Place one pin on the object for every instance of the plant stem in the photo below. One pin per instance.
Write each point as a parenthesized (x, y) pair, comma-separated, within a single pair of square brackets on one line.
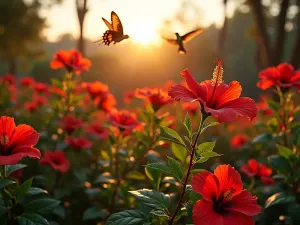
[(204, 116), (283, 103)]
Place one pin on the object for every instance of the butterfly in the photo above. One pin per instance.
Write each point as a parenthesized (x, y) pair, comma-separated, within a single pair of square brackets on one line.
[(115, 33), (180, 40)]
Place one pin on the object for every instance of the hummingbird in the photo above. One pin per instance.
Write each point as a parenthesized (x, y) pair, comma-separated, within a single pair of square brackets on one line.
[(180, 40), (115, 33)]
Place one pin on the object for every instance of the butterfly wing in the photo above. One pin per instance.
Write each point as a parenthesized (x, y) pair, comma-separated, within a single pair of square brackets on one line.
[(116, 23), (189, 36), (110, 27), (107, 37), (171, 41)]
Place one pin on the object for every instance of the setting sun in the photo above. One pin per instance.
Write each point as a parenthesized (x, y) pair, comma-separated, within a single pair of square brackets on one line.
[(144, 32)]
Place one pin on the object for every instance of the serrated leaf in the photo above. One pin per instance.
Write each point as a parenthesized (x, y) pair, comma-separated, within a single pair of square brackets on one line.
[(127, 217), (32, 219), (92, 213), (23, 189), (41, 206), (152, 199), (179, 152), (154, 176), (210, 154), (135, 175), (175, 168), (159, 213), (171, 135), (280, 164), (205, 147), (187, 123), (13, 168), (36, 191), (159, 166)]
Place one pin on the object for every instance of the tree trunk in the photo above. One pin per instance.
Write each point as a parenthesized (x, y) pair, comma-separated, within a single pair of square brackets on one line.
[(223, 31), (12, 65), (279, 44), (295, 58), (81, 12), (263, 38)]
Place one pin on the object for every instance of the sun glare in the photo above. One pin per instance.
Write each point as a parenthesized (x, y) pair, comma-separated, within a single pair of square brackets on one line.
[(144, 32)]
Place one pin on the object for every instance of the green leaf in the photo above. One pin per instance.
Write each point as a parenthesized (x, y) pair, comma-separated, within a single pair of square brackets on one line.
[(179, 152), (159, 213), (159, 166), (41, 206), (279, 198), (280, 164), (13, 168), (23, 189), (205, 147), (135, 175), (5, 182), (273, 105), (60, 211), (262, 138), (92, 213), (210, 154), (194, 197), (188, 126), (36, 191), (127, 217), (175, 168), (152, 199), (154, 176), (182, 212), (171, 135), (284, 151), (32, 219), (211, 124)]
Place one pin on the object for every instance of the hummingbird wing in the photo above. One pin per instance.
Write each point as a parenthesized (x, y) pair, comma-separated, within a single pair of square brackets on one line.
[(189, 36), (107, 24), (116, 23), (171, 41)]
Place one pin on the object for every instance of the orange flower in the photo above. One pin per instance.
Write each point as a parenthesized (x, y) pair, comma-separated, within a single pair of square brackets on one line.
[(124, 120), (96, 89), (71, 60), (156, 96), (239, 141), (56, 160), (70, 123)]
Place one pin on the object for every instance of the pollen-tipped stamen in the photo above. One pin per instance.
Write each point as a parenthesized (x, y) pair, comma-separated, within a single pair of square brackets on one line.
[(217, 76), (4, 140)]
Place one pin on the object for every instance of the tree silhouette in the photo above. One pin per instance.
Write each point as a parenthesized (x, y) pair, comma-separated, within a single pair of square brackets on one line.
[(81, 6)]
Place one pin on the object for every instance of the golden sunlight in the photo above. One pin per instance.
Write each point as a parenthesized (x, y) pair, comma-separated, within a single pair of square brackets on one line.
[(144, 32)]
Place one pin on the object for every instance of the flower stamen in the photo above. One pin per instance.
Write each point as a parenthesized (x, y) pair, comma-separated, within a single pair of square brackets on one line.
[(217, 76)]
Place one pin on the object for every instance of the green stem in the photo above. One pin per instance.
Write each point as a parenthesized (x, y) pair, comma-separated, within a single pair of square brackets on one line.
[(283, 103), (252, 184), (4, 172), (191, 164)]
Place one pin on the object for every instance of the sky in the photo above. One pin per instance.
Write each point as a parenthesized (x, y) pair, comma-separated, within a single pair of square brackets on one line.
[(140, 18)]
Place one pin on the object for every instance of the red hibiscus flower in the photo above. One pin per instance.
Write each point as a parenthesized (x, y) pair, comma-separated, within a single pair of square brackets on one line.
[(71, 60), (191, 107), (41, 88), (217, 98), (224, 200), (105, 102), (70, 123), (156, 96), (128, 96), (58, 91), (8, 79), (124, 120), (97, 89), (30, 106), (16, 142), (256, 169), (283, 76), (239, 141), (27, 81), (56, 160), (98, 131), (79, 143)]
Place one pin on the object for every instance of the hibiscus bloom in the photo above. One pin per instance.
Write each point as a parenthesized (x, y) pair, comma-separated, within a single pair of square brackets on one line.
[(40, 88), (105, 102), (16, 142), (98, 131), (283, 76), (256, 169), (224, 200), (217, 98), (124, 120), (128, 96), (70, 123), (79, 143), (71, 60), (239, 141), (27, 81), (30, 106), (8, 79), (56, 160), (97, 89), (58, 91), (156, 96)]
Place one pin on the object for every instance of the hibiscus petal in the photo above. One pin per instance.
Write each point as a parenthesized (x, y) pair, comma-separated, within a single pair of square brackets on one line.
[(232, 92), (235, 218), (265, 84), (19, 154), (228, 178), (55, 64), (179, 92), (24, 136), (230, 111), (244, 203), (207, 185), (190, 81), (286, 71), (7, 125), (203, 213)]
